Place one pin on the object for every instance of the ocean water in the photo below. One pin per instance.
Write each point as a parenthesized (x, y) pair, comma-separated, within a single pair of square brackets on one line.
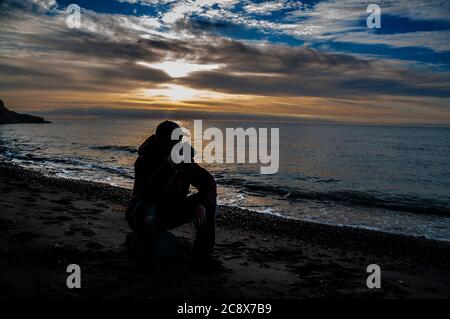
[(389, 178)]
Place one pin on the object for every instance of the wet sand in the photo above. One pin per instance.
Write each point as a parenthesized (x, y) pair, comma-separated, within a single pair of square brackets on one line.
[(49, 223)]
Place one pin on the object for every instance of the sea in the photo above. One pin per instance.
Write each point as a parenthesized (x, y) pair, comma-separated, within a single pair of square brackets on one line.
[(392, 179)]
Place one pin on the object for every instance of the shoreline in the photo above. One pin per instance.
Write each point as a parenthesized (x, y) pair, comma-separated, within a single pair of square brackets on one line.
[(125, 193), (265, 253)]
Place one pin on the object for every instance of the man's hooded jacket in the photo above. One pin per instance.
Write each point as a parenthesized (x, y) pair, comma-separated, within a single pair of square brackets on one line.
[(159, 181)]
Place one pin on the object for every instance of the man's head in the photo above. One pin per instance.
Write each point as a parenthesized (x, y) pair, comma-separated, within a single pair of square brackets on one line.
[(164, 134)]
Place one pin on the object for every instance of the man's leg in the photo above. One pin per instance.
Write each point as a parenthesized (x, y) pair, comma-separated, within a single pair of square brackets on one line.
[(184, 213), (206, 234), (148, 227)]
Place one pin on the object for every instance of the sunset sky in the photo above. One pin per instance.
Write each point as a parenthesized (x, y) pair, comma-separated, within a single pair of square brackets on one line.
[(299, 60)]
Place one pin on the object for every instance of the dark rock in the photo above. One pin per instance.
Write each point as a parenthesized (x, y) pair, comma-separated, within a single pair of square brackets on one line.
[(10, 117)]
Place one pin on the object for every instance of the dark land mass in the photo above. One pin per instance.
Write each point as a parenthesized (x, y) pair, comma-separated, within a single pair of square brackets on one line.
[(10, 117)]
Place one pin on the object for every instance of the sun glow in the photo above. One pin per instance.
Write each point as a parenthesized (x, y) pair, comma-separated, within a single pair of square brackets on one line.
[(179, 93), (180, 68)]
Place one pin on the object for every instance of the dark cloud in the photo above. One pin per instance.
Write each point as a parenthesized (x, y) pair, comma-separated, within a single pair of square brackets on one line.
[(319, 84), (86, 44), (76, 76), (203, 26)]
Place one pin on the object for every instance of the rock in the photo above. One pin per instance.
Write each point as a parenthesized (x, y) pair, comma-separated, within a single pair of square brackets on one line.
[(10, 117)]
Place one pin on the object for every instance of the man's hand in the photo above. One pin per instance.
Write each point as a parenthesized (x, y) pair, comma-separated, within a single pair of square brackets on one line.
[(199, 216)]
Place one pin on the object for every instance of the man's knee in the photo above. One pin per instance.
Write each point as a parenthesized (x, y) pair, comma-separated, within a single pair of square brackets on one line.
[(150, 223)]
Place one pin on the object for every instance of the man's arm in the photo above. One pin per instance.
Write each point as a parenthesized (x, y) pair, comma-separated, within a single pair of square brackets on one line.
[(205, 184)]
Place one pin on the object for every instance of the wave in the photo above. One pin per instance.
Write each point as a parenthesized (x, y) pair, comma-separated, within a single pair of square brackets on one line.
[(118, 170), (397, 202), (118, 148), (39, 159), (67, 163)]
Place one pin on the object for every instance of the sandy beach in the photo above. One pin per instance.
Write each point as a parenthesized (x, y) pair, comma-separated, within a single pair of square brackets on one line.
[(48, 223)]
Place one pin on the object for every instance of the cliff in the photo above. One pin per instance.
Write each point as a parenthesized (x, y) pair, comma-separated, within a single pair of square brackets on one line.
[(10, 117)]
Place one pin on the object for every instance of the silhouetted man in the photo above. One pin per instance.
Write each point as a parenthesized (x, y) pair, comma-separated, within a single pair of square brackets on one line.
[(160, 200)]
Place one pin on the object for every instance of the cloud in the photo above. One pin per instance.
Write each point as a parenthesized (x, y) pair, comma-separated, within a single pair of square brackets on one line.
[(434, 40), (297, 71), (182, 9), (108, 63), (340, 21), (268, 7)]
